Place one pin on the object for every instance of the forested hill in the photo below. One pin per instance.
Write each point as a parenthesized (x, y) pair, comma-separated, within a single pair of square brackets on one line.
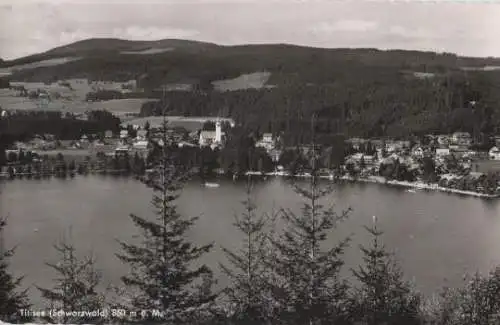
[(274, 87)]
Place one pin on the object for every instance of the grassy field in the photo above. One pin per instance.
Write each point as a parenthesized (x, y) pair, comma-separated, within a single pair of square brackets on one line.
[(72, 97), (75, 89), (149, 51), (44, 63), (39, 64), (256, 80), (72, 93), (118, 106)]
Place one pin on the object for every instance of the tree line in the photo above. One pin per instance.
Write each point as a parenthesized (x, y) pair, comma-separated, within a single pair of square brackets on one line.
[(279, 276), (23, 125), (28, 164), (102, 95)]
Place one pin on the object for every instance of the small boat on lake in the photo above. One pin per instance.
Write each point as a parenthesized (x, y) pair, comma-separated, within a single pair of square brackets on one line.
[(211, 185), (411, 190)]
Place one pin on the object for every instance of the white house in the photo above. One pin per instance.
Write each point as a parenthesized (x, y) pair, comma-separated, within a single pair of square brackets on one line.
[(123, 134), (358, 157), (267, 137), (368, 159), (494, 153), (140, 145), (443, 139), (266, 142), (418, 152), (391, 147), (442, 152)]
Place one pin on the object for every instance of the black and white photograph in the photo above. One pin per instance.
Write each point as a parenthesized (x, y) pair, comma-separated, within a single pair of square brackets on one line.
[(250, 162)]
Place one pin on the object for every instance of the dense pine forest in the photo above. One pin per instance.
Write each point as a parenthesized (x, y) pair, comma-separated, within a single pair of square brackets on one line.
[(279, 276)]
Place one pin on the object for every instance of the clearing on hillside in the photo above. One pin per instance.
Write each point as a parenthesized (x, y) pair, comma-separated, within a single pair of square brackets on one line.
[(256, 80), (43, 63), (148, 51)]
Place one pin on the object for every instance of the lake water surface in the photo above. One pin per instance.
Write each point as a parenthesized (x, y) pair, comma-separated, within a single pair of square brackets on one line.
[(435, 236)]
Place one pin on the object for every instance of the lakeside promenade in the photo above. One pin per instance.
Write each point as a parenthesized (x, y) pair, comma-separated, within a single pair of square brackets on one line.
[(382, 180), (422, 186)]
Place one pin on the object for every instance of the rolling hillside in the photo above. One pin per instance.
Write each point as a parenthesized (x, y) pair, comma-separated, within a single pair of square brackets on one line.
[(274, 87), (106, 46)]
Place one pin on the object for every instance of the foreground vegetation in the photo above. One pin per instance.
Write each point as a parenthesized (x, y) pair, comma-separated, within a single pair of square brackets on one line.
[(280, 276)]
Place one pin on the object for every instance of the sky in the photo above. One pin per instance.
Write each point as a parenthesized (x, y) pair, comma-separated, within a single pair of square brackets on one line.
[(468, 28)]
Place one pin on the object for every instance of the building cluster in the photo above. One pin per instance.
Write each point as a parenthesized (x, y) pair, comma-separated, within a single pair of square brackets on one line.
[(269, 143), (130, 139), (370, 154)]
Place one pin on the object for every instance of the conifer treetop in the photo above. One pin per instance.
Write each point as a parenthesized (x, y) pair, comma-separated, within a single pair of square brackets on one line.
[(162, 273), (12, 299)]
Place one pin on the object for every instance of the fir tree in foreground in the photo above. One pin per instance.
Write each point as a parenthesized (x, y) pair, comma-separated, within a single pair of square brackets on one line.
[(163, 275), (76, 287), (305, 281), (384, 298), (12, 301), (247, 269)]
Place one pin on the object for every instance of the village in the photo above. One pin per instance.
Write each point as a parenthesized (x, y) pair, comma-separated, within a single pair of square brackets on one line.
[(445, 161)]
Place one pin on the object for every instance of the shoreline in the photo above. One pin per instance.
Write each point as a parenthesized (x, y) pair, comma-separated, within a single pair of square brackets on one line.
[(370, 179), (422, 186), (383, 181)]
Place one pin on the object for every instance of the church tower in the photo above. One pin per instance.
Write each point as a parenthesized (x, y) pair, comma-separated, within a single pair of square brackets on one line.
[(218, 131)]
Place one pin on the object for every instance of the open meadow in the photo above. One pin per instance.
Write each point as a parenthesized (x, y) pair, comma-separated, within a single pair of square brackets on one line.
[(256, 80), (69, 96)]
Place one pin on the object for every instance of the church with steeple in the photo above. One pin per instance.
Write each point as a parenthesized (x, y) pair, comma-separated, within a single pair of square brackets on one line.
[(212, 138)]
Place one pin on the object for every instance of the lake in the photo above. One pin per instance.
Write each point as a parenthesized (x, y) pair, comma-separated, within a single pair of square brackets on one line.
[(437, 237)]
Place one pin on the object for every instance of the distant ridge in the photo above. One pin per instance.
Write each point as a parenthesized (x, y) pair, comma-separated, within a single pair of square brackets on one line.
[(96, 46), (153, 63), (93, 46), (272, 86)]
